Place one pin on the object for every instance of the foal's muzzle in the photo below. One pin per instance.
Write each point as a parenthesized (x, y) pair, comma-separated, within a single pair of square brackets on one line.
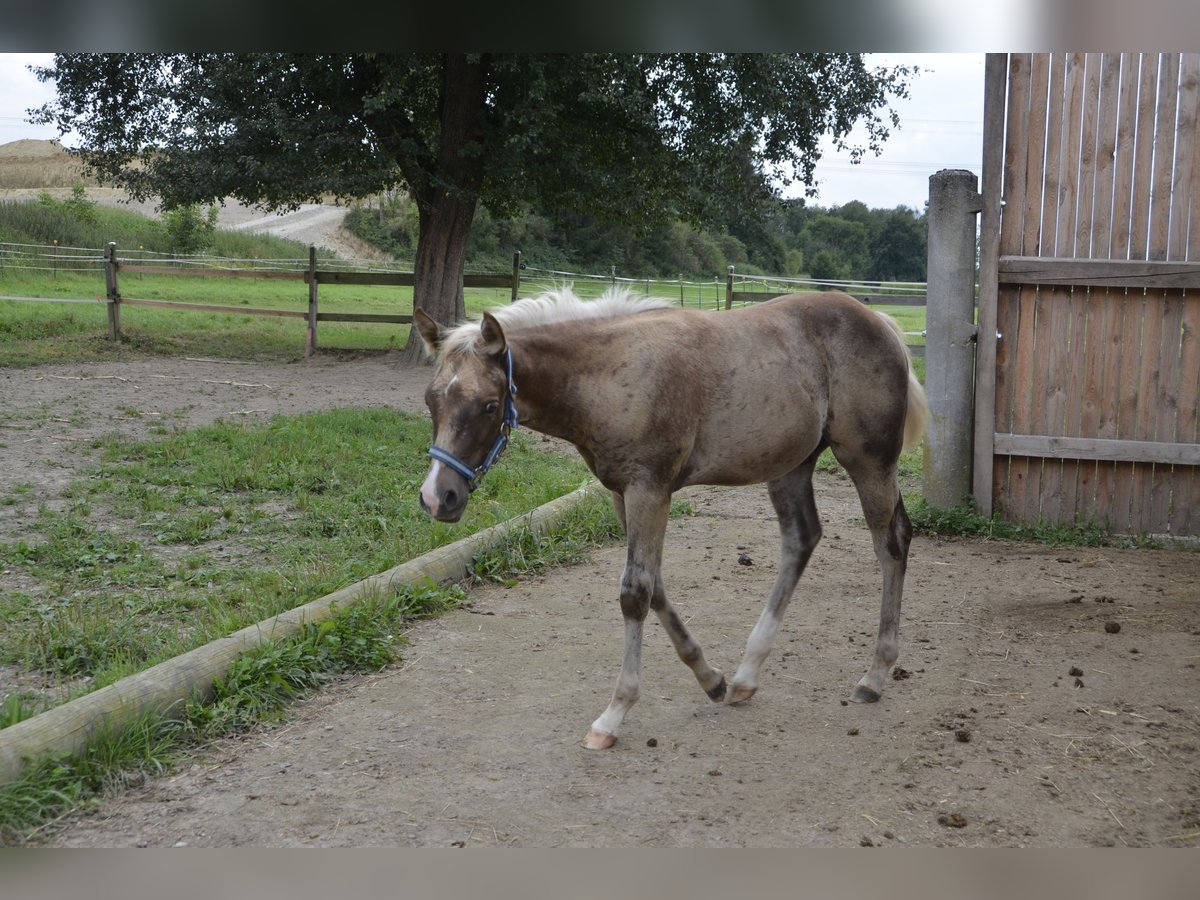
[(444, 494)]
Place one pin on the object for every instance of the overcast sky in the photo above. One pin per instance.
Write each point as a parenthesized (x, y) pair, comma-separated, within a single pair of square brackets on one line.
[(941, 127)]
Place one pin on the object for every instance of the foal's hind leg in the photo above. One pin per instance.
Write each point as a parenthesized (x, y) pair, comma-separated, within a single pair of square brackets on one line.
[(800, 528), (891, 533), (689, 651)]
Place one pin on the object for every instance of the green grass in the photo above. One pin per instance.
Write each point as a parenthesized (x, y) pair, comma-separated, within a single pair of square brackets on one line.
[(38, 333), (169, 543), (256, 689), (966, 522)]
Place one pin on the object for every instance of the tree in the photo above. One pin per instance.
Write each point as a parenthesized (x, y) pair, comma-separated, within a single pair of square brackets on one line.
[(898, 249), (638, 138)]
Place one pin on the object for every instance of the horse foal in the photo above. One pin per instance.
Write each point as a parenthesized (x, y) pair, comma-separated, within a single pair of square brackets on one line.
[(656, 398)]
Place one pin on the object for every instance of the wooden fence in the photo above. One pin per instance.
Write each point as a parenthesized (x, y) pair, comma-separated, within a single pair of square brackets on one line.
[(873, 293), (1090, 412), (312, 276)]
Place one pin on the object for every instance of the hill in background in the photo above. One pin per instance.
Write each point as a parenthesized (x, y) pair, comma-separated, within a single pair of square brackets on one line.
[(39, 164)]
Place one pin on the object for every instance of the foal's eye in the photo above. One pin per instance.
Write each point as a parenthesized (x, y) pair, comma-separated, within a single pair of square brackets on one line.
[(490, 407)]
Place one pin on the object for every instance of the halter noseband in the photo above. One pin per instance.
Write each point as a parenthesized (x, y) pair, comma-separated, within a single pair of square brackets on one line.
[(474, 476)]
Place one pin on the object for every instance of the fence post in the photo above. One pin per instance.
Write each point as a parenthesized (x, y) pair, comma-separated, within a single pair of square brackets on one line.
[(516, 278), (310, 345), (112, 293), (729, 289), (954, 202), (613, 275)]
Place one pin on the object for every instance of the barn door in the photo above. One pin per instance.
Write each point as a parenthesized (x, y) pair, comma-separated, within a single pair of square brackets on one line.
[(1089, 359)]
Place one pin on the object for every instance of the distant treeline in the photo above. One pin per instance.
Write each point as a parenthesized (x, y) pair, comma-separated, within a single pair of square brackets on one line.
[(790, 238)]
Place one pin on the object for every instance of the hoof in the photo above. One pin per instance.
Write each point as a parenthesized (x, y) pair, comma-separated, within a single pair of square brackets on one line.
[(741, 693), (864, 694), (717, 694), (599, 740)]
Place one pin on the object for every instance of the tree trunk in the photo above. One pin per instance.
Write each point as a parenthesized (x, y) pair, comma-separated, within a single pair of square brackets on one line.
[(446, 200), (444, 225)]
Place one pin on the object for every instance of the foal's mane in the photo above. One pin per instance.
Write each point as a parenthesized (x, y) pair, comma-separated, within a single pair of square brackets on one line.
[(560, 305)]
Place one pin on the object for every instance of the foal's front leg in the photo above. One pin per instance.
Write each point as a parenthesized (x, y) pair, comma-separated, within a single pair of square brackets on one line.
[(645, 525)]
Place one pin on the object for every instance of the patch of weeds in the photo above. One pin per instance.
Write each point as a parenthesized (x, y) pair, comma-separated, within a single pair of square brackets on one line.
[(590, 524), (828, 463), (19, 493), (427, 599), (682, 508), (966, 522), (19, 706), (58, 783), (359, 638), (80, 643)]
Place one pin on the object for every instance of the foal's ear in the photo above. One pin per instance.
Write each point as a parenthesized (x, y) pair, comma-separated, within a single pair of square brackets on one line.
[(430, 331), (492, 335)]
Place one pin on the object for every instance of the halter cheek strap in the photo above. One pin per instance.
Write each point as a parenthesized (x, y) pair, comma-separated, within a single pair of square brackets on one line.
[(474, 476)]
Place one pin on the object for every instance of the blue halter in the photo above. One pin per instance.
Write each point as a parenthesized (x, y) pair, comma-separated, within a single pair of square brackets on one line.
[(474, 476)]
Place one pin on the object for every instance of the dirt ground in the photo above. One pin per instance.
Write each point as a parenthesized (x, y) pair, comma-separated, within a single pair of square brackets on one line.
[(988, 735)]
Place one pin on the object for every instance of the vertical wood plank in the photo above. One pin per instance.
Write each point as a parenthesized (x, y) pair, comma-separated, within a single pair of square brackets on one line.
[(1183, 189), (1185, 517), (1024, 336), (1106, 69), (1176, 383), (1166, 404), (1148, 489), (1046, 235), (1139, 228), (1082, 328), (112, 291), (1128, 475), (310, 343), (1146, 418), (989, 236), (1060, 337), (1123, 98), (1017, 151), (1185, 508), (1164, 156)]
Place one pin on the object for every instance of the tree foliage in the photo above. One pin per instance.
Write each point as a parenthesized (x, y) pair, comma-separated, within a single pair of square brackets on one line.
[(638, 139), (794, 239)]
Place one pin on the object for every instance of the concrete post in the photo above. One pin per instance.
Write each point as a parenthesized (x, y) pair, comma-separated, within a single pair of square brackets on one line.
[(954, 201)]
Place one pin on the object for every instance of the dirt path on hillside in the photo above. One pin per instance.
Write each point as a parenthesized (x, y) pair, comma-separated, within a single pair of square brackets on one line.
[(318, 224), (475, 739)]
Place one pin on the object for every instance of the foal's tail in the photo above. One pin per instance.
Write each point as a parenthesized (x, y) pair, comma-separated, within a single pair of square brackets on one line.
[(917, 417)]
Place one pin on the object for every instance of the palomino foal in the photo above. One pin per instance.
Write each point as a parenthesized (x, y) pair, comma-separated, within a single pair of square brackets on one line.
[(656, 398)]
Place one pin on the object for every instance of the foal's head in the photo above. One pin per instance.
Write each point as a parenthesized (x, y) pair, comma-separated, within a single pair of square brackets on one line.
[(470, 399)]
